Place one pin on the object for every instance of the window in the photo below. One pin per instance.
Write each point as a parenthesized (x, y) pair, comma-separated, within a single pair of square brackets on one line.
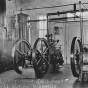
[(84, 14), (42, 26)]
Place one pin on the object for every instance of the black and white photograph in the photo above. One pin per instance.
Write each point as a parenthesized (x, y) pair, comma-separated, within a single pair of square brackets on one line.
[(43, 43)]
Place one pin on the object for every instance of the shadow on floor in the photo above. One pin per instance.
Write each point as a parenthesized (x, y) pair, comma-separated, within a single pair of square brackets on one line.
[(78, 84)]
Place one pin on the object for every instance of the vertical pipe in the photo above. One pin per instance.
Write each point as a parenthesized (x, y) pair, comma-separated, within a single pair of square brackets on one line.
[(81, 32), (47, 28), (65, 40), (54, 30), (81, 28), (65, 43)]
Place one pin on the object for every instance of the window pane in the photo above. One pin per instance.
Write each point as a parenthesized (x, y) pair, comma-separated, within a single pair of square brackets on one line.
[(45, 32), (84, 14), (42, 24), (70, 15), (40, 33)]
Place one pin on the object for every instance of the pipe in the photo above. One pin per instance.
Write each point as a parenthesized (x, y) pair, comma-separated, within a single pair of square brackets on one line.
[(49, 7), (52, 19), (47, 28)]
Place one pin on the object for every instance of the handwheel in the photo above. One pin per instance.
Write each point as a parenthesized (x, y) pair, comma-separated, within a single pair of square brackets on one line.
[(75, 56), (20, 54), (41, 57)]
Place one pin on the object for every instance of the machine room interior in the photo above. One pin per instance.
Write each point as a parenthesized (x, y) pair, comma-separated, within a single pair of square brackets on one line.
[(29, 20), (67, 30)]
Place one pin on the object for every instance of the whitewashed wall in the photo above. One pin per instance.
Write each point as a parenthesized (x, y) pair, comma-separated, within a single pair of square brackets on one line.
[(71, 29)]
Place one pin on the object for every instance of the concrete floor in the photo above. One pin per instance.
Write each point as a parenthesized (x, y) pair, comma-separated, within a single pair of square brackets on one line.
[(61, 79)]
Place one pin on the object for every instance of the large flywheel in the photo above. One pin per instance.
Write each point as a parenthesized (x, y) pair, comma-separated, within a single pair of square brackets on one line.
[(75, 56), (41, 57), (21, 54)]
